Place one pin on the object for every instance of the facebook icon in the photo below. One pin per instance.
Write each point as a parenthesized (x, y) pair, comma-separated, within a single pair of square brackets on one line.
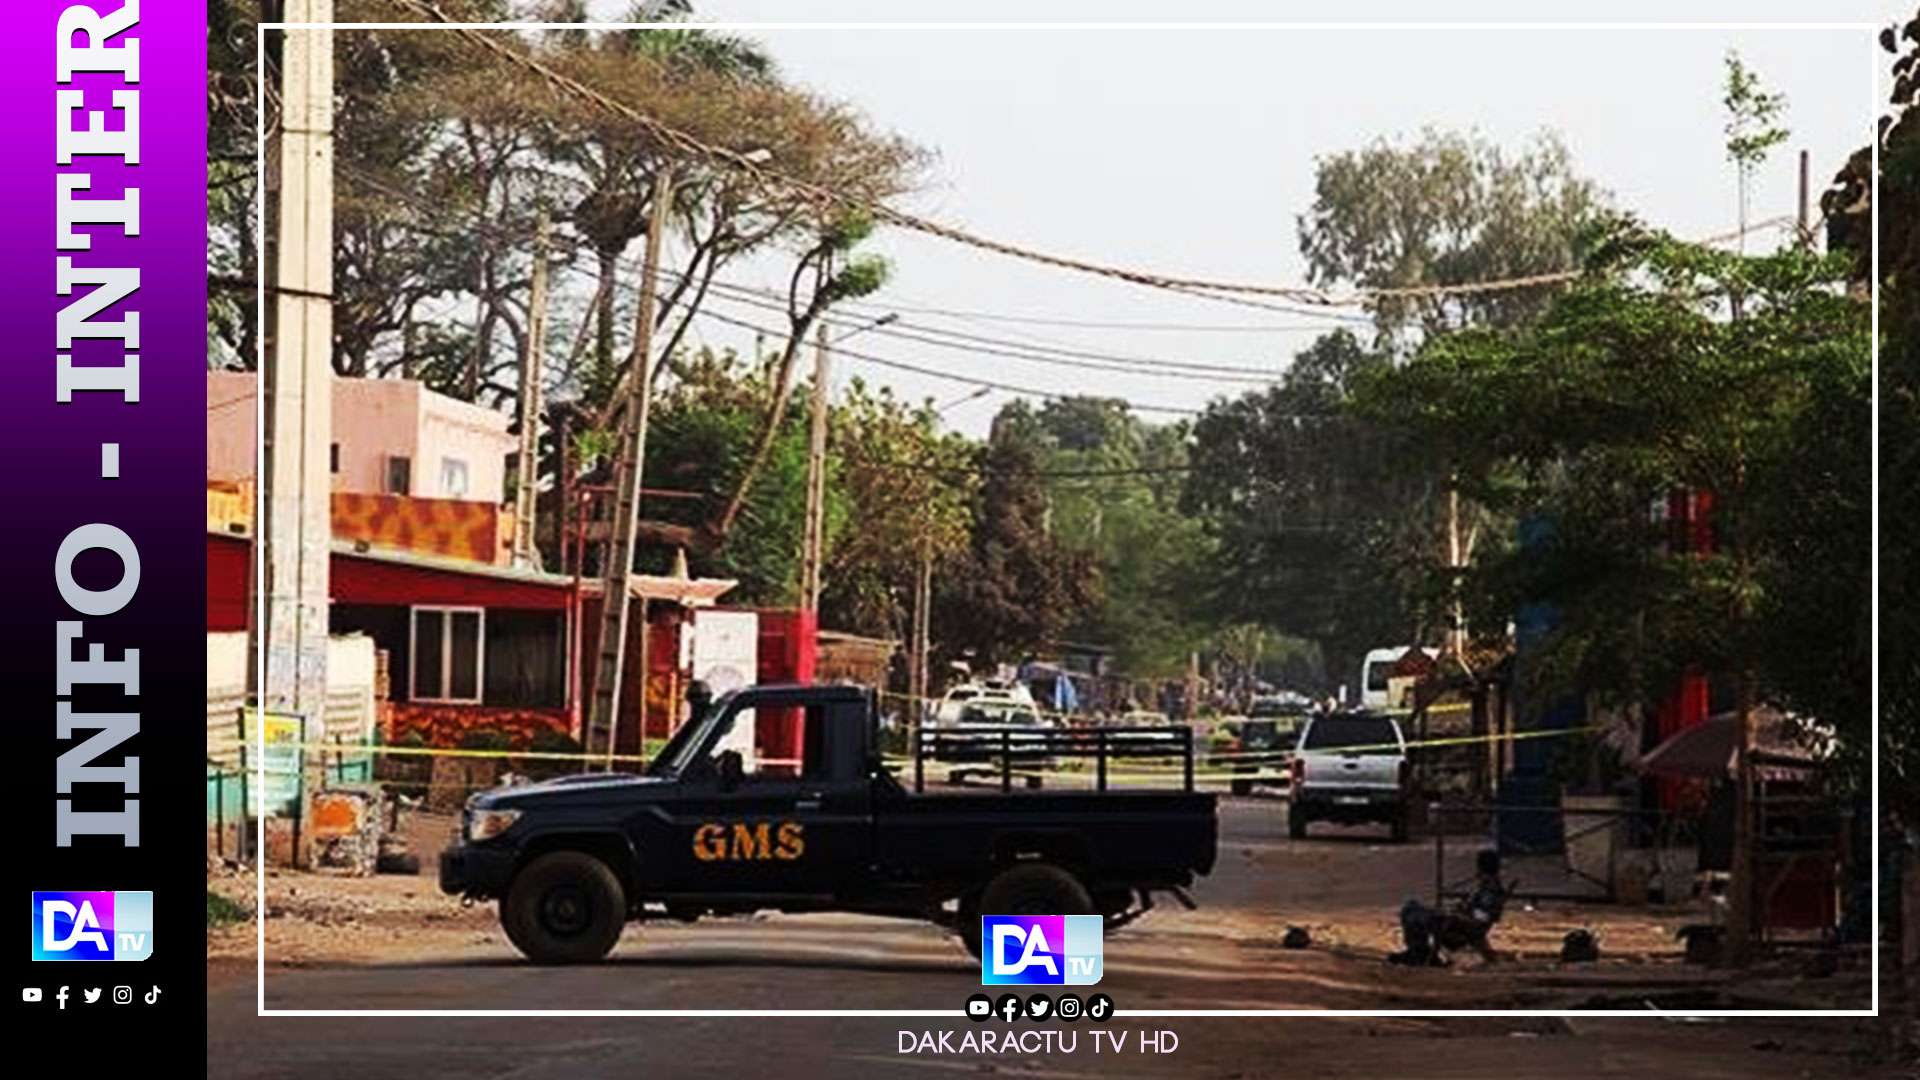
[(1041, 949)]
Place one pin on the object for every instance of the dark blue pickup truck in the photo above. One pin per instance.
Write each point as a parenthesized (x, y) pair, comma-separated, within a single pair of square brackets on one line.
[(699, 833)]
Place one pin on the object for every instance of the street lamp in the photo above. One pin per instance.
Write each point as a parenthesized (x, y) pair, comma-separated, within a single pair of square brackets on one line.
[(889, 317), (980, 393)]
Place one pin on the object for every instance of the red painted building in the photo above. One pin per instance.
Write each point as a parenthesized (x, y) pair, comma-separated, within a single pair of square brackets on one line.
[(1689, 522), (476, 646)]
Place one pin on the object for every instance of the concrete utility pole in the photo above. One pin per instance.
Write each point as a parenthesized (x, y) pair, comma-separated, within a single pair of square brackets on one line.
[(297, 378), (816, 477), (525, 553), (628, 467)]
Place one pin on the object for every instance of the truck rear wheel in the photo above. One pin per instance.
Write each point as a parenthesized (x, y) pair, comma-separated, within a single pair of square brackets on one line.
[(1028, 888), (564, 908)]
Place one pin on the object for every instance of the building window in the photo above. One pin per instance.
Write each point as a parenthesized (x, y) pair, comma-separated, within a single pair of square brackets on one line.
[(453, 478), (399, 475), (448, 662), (526, 659), (333, 458)]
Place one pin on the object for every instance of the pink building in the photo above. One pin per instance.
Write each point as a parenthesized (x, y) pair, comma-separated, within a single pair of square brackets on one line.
[(390, 437)]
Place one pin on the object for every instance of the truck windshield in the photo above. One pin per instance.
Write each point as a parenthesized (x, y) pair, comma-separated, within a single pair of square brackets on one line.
[(1351, 732), (679, 751)]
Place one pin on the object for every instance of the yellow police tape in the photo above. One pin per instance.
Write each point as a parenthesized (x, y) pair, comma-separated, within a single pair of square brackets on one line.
[(1409, 745), (1133, 766), (1138, 767), (429, 751), (1052, 714)]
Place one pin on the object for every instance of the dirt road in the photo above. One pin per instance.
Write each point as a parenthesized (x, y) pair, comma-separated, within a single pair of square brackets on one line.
[(392, 943)]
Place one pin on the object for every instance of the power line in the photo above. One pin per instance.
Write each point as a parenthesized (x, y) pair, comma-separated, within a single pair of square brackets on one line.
[(1045, 474), (770, 300), (970, 380), (1078, 359), (692, 146), (1032, 353), (1344, 323), (726, 289), (1073, 358)]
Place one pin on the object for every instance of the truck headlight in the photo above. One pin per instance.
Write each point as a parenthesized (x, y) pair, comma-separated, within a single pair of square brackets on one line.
[(485, 824)]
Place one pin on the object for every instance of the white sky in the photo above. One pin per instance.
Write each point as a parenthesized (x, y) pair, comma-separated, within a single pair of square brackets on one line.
[(1192, 151)]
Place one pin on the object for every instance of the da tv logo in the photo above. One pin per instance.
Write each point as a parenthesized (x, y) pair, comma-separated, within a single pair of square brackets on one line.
[(92, 925), (1027, 949)]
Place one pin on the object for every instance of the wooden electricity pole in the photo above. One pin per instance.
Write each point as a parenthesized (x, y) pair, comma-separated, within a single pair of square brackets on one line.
[(297, 381), (628, 466), (816, 478), (525, 553), (923, 600), (1743, 920), (1805, 232), (1456, 633)]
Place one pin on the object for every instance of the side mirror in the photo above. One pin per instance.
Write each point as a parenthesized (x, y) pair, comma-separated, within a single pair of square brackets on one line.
[(730, 768)]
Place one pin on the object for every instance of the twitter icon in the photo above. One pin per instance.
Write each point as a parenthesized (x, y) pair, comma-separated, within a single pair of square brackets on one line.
[(91, 995)]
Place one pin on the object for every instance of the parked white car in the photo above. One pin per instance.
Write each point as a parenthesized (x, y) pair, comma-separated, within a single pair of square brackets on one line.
[(987, 703), (1350, 768), (985, 710)]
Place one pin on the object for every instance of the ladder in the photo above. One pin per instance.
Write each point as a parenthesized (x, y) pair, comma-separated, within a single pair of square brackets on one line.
[(629, 462)]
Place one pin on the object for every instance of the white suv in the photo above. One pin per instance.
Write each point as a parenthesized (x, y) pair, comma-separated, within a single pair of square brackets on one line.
[(1350, 768)]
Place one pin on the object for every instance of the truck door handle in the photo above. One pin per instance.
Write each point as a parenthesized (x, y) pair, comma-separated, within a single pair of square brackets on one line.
[(807, 804)]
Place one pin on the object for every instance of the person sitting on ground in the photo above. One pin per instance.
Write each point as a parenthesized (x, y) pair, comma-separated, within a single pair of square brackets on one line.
[(1431, 935)]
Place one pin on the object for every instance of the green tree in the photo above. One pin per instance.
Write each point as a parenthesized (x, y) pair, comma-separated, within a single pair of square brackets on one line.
[(1314, 528), (1850, 207), (1014, 588), (908, 492), (1445, 210), (1636, 383), (1751, 133), (700, 438), (1113, 486)]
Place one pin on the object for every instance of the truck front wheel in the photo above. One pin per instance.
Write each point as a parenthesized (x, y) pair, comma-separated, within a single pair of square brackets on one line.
[(564, 908)]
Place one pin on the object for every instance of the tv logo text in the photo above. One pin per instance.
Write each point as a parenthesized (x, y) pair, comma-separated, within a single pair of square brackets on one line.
[(92, 925), (1028, 949)]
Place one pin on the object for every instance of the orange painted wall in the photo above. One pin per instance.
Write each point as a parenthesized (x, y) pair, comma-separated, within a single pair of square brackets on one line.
[(475, 531)]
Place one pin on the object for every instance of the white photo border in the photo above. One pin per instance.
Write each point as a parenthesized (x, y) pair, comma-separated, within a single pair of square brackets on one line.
[(1877, 97)]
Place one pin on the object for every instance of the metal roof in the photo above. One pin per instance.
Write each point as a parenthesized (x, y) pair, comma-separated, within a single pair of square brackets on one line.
[(692, 592), (420, 560)]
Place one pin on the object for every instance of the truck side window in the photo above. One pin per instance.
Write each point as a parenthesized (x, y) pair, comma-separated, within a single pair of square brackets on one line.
[(778, 742)]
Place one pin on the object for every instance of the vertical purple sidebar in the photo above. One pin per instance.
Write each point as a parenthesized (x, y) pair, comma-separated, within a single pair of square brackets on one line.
[(60, 468)]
